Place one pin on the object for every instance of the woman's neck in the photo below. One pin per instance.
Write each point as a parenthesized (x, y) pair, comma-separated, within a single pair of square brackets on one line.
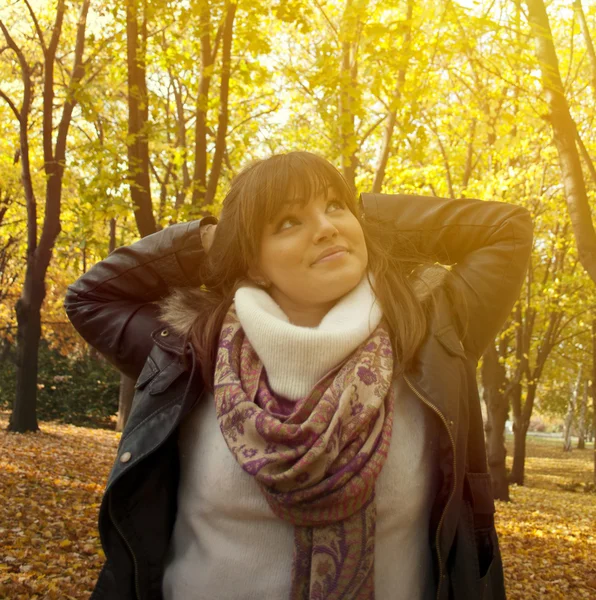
[(309, 315)]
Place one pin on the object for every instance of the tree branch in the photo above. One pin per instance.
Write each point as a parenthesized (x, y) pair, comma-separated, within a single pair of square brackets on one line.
[(78, 71), (10, 103), (222, 125), (255, 116), (585, 155), (37, 28), (329, 22), (27, 180)]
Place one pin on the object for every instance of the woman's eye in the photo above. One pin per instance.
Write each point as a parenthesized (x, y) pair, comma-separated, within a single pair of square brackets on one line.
[(288, 220), (337, 203)]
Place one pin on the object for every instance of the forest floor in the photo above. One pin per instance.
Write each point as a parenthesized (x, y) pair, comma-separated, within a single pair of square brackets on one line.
[(51, 485)]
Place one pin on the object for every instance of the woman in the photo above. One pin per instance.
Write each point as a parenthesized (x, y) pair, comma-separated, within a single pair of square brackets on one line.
[(338, 361)]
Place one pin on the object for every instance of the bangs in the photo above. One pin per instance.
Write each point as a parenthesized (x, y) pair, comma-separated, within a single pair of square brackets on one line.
[(266, 187), (296, 178)]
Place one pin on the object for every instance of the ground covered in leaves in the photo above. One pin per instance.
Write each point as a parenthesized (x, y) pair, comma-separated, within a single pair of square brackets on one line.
[(51, 485), (548, 534)]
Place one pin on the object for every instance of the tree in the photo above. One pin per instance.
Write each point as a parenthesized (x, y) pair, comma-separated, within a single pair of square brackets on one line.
[(198, 176), (138, 152), (581, 425), (39, 248), (350, 32), (395, 101), (594, 391), (577, 6), (497, 405), (564, 128), (138, 115), (8, 247), (551, 303), (571, 404), (222, 125)]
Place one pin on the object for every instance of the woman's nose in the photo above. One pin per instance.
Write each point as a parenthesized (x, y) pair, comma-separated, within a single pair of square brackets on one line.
[(324, 228)]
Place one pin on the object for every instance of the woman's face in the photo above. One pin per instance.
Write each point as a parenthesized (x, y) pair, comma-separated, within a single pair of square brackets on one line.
[(304, 284)]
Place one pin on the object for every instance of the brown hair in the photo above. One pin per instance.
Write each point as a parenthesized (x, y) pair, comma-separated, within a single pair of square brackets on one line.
[(256, 194)]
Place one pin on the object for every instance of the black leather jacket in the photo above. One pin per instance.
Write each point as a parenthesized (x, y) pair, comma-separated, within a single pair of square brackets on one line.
[(113, 307)]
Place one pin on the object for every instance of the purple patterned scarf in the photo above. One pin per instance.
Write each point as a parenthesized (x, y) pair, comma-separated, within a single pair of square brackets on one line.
[(316, 460)]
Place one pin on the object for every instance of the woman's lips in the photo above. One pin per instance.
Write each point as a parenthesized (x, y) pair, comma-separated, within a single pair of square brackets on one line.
[(331, 257)]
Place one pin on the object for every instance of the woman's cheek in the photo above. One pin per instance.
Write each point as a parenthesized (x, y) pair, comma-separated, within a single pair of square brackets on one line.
[(279, 258)]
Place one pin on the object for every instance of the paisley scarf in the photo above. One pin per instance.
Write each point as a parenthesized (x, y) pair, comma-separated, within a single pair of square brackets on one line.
[(316, 460)]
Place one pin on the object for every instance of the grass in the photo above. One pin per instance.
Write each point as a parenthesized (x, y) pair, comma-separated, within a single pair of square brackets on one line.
[(548, 467)]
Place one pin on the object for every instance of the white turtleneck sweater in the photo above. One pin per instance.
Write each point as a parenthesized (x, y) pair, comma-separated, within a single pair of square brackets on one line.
[(227, 544)]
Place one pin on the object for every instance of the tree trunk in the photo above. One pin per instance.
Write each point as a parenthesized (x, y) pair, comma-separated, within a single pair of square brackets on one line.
[(125, 397), (23, 416), (577, 6), (348, 87), (521, 423), (138, 153), (493, 382), (224, 88), (564, 137), (517, 470), (519, 453), (594, 392), (571, 404), (199, 183), (127, 385), (39, 254), (581, 426), (395, 102), (112, 238), (138, 111), (28, 308)]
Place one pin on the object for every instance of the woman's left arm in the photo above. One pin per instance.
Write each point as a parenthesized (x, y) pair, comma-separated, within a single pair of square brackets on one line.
[(489, 243)]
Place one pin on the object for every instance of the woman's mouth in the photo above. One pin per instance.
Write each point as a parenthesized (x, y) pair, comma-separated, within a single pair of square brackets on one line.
[(331, 257)]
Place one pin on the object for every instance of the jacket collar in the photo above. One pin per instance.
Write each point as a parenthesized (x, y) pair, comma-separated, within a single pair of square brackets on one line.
[(433, 382), (168, 340)]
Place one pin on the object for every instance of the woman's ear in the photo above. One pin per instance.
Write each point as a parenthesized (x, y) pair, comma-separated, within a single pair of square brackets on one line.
[(255, 275)]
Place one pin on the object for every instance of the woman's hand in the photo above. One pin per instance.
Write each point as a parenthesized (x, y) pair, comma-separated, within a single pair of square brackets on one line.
[(207, 232)]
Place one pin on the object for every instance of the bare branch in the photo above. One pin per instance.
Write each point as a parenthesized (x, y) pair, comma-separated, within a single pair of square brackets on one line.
[(37, 28), (78, 71), (217, 40), (10, 103), (329, 22), (255, 116), (445, 158), (26, 178), (585, 155)]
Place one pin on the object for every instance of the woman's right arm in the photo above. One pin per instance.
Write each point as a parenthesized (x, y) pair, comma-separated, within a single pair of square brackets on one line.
[(114, 305)]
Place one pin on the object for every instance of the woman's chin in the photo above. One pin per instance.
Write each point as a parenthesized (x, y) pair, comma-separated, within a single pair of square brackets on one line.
[(336, 284)]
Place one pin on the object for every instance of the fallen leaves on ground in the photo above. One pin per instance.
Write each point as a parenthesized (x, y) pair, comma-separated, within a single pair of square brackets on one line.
[(51, 484), (548, 541), (52, 481), (547, 535)]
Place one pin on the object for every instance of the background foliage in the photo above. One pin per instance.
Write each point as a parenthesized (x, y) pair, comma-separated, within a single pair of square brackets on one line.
[(82, 391), (415, 96)]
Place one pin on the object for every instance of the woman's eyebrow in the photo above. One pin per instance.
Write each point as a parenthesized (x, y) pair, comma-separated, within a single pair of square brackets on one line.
[(300, 202)]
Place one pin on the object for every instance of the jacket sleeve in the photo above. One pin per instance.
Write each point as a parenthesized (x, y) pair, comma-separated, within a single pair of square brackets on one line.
[(488, 243), (114, 305)]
